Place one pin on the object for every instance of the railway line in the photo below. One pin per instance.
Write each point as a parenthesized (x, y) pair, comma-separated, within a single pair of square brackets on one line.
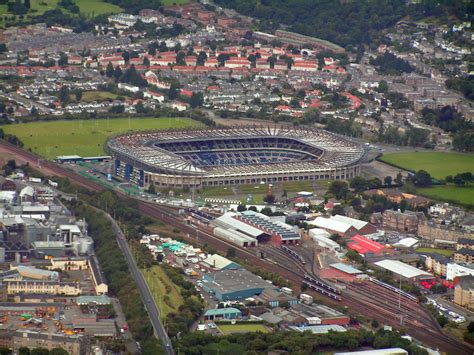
[(357, 300)]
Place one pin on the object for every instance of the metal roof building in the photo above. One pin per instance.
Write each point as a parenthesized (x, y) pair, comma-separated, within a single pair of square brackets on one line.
[(403, 270)]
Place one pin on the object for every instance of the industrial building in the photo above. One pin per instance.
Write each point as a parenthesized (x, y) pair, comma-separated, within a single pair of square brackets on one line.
[(230, 285), (405, 271), (222, 313), (367, 247), (321, 237), (334, 227), (249, 228), (217, 262)]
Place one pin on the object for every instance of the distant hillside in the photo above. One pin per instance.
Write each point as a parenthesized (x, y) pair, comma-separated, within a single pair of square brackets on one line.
[(347, 22)]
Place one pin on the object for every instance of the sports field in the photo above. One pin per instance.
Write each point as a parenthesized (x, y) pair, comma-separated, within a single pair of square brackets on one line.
[(242, 328), (84, 137), (444, 252), (438, 164), (449, 193), (166, 294)]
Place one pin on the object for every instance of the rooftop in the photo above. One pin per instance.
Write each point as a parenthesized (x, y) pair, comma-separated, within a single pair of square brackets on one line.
[(402, 269), (227, 281)]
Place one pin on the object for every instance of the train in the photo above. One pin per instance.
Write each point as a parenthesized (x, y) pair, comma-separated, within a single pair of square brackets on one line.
[(293, 254), (394, 289), (321, 290), (319, 283), (204, 217)]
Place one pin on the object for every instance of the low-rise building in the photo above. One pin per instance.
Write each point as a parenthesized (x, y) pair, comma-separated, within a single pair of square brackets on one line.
[(437, 264), (464, 292), (222, 313), (454, 270), (464, 255)]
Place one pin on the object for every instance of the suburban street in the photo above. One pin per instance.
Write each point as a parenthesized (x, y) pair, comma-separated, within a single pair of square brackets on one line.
[(145, 293)]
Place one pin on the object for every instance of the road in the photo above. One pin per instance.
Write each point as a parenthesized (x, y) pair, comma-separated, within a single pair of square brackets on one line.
[(145, 293)]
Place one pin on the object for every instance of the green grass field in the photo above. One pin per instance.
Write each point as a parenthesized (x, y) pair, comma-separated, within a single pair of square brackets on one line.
[(96, 7), (444, 252), (84, 137), (438, 164), (86, 7), (173, 2), (161, 286), (449, 193), (89, 96), (242, 328)]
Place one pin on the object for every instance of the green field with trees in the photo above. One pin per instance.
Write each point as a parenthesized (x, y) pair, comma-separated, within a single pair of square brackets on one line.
[(438, 164), (346, 23), (84, 137), (463, 195)]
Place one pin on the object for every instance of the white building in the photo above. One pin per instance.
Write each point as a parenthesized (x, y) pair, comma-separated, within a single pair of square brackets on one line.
[(321, 237), (458, 269)]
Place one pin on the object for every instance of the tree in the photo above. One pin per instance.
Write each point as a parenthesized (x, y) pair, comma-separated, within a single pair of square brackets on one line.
[(146, 61), (358, 183), (449, 179), (241, 208), (458, 180), (78, 94), (338, 209), (151, 189), (387, 180), (63, 59), (470, 327), (375, 323), (399, 179), (383, 86), (126, 56), (422, 178), (339, 189), (27, 4), (117, 73), (173, 92), (442, 320), (109, 71), (64, 95), (197, 99), (201, 58), (269, 198), (231, 252)]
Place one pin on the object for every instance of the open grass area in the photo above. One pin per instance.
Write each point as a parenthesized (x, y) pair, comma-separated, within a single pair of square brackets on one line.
[(173, 2), (166, 294), (84, 137), (444, 252), (89, 8), (96, 7), (242, 328), (450, 193), (438, 164), (89, 96)]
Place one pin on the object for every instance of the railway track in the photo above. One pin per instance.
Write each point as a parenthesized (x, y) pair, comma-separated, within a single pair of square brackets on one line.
[(428, 332)]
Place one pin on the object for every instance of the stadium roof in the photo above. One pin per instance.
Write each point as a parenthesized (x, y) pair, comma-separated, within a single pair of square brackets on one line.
[(400, 268), (364, 245), (179, 151)]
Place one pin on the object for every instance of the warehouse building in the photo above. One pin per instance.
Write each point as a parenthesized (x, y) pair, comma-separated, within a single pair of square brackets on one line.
[(217, 262), (222, 313), (230, 285), (249, 228), (334, 227), (405, 271), (366, 247)]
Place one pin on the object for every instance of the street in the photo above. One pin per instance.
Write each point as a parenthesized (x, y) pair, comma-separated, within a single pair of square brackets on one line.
[(146, 296)]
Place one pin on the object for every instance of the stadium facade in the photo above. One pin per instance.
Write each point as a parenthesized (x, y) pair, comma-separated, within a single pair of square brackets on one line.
[(200, 157)]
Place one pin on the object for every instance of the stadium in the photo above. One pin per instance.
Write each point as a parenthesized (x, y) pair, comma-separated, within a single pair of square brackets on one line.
[(200, 157)]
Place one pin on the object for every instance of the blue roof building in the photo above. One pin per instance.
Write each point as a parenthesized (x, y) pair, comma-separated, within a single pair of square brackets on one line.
[(230, 285)]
